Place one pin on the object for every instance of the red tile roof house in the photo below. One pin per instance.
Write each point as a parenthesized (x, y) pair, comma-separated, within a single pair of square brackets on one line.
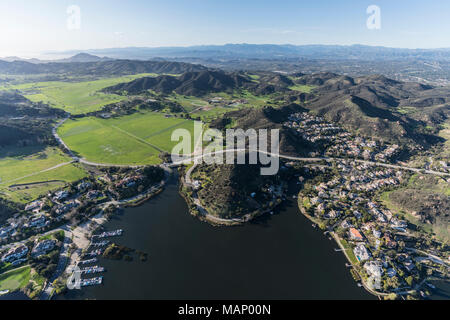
[(355, 234)]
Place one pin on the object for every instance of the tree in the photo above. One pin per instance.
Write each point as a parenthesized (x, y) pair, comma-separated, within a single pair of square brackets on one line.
[(409, 280)]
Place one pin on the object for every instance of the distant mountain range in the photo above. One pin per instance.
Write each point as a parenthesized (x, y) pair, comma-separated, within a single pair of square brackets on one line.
[(80, 57), (270, 51), (85, 64), (431, 66)]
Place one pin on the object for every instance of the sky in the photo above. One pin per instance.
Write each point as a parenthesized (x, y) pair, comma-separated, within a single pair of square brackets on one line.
[(29, 28)]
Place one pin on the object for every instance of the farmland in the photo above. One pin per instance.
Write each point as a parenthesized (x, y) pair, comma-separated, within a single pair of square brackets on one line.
[(129, 140), (26, 177), (15, 279), (73, 97)]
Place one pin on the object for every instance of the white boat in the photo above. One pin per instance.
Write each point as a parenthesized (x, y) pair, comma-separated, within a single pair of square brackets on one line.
[(3, 292)]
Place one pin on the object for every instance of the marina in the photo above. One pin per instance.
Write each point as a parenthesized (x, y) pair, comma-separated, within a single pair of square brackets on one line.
[(92, 270), (95, 253), (108, 234), (89, 261), (99, 244), (91, 282)]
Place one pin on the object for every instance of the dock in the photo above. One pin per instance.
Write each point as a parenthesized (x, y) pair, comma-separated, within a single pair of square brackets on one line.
[(100, 244), (94, 253), (89, 261), (92, 270), (108, 234), (91, 282)]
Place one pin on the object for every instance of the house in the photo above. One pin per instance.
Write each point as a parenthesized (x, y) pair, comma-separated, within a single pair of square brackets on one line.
[(15, 253), (361, 252), (83, 186), (37, 222), (7, 230), (376, 233), (409, 265), (34, 205), (93, 194), (332, 214), (66, 207), (357, 214), (398, 225), (60, 195), (43, 247), (391, 272), (374, 268), (355, 234), (197, 184), (346, 224), (321, 207)]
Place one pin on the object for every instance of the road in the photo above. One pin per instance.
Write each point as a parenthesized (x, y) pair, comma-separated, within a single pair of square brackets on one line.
[(196, 156), (62, 262)]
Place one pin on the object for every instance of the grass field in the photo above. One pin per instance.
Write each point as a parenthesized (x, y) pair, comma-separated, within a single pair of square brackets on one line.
[(426, 183), (74, 97), (39, 167), (15, 279), (302, 88), (213, 113), (134, 140)]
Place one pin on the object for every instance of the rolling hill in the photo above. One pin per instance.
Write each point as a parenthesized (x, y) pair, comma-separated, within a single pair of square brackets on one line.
[(189, 83), (375, 106), (78, 67)]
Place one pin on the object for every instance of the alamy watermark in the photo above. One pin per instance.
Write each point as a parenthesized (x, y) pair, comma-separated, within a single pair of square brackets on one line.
[(374, 20), (236, 147), (74, 281), (74, 17)]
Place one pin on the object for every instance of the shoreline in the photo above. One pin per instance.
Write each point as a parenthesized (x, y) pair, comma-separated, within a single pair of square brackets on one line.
[(81, 234), (211, 219), (338, 242), (379, 295)]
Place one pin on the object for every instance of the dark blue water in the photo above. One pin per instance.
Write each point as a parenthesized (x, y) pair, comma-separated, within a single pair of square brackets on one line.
[(275, 257)]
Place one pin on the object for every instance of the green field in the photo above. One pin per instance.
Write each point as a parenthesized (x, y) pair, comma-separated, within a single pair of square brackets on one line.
[(15, 279), (302, 88), (74, 97), (406, 110), (213, 113), (418, 183), (134, 140), (23, 171)]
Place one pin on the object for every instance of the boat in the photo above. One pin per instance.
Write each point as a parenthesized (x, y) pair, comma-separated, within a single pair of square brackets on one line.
[(109, 234), (91, 270), (91, 282), (3, 292), (431, 286), (89, 261)]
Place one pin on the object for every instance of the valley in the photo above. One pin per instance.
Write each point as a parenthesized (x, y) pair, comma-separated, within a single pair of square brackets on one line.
[(84, 147)]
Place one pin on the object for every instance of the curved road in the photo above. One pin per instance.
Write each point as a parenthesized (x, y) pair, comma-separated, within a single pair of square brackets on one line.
[(190, 159), (381, 164)]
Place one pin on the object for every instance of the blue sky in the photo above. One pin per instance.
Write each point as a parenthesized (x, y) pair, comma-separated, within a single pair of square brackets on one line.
[(29, 27)]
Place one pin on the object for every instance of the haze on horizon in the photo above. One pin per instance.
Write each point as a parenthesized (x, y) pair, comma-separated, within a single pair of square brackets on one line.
[(29, 29)]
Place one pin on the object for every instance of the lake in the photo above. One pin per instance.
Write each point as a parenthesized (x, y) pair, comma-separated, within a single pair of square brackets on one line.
[(274, 257)]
